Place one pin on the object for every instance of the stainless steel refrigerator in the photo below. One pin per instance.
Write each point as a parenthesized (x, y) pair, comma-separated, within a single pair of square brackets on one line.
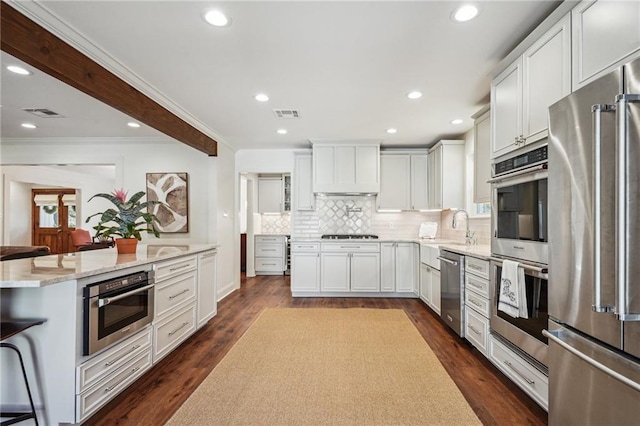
[(594, 253)]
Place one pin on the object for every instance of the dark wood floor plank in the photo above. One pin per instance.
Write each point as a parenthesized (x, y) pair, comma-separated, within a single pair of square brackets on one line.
[(154, 398)]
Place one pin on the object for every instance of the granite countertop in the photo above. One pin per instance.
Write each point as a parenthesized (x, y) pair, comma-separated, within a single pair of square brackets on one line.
[(480, 251), (46, 270)]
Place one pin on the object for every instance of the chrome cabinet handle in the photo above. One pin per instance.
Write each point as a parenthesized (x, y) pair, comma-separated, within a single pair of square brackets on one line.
[(177, 268), (171, 333), (451, 262), (112, 387), (107, 300), (597, 110), (110, 363), (207, 255), (478, 286), (472, 266), (173, 296), (476, 303), (515, 370), (474, 330)]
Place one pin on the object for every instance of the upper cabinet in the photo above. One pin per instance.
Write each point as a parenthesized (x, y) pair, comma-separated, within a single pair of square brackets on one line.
[(523, 92), (482, 161), (274, 194), (606, 34), (446, 168), (346, 167), (303, 198), (403, 182)]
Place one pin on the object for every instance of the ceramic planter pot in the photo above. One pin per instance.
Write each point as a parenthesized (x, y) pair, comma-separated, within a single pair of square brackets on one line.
[(126, 245)]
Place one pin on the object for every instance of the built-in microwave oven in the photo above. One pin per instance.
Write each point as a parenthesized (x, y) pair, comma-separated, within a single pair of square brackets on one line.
[(519, 207)]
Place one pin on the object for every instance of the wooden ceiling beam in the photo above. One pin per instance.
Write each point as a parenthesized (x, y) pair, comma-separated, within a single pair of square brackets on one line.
[(31, 43)]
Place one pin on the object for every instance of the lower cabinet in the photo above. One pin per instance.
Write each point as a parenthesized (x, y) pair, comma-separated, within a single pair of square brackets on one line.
[(345, 272), (399, 267), (477, 304), (173, 330), (430, 287), (207, 287), (305, 267)]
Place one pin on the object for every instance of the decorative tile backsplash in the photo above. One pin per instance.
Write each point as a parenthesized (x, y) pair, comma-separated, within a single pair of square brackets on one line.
[(276, 224)]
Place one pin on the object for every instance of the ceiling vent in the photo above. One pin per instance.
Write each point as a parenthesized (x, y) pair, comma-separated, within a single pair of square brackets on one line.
[(286, 113), (43, 112)]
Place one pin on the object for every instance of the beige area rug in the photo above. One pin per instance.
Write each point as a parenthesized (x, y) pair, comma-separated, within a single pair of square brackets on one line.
[(328, 366)]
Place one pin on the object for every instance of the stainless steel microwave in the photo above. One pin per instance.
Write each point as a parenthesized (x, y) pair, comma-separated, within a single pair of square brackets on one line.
[(519, 207)]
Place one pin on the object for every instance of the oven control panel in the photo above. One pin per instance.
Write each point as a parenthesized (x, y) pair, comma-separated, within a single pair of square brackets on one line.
[(521, 161)]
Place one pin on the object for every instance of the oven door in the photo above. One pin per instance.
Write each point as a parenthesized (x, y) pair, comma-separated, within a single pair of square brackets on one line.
[(525, 333), (113, 316), (519, 215)]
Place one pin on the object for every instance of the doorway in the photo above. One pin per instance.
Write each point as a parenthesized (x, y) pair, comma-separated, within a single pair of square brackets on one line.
[(53, 218)]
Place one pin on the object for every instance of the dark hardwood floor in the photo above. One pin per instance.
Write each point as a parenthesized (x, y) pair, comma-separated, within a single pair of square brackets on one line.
[(159, 393)]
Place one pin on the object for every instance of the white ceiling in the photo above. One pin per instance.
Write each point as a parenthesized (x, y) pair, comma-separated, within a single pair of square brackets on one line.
[(346, 66)]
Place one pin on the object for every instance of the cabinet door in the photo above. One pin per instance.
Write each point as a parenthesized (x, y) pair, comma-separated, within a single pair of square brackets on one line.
[(435, 178), (303, 197), (435, 290), (270, 195), (335, 272), (365, 272), (305, 272), (395, 191), (506, 103), (367, 164), (482, 159), (207, 287), (388, 267), (450, 190), (324, 175), (605, 35), (406, 268), (419, 190), (425, 283), (546, 78)]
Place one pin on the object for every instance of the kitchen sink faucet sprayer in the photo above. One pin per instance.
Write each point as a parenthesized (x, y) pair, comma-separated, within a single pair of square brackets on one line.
[(468, 235)]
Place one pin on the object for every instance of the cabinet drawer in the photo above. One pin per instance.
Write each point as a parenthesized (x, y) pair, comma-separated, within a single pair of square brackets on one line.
[(477, 330), (268, 264), (99, 367), (173, 292), (174, 267), (170, 333), (352, 247), (269, 250), (526, 376), (477, 267), (90, 401), (477, 302), (269, 239), (306, 247), (478, 285)]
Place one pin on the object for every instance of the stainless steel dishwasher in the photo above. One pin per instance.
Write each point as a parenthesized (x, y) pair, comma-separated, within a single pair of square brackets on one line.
[(452, 290)]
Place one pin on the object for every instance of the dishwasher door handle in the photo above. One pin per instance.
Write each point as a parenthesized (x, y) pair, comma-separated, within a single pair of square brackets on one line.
[(451, 262)]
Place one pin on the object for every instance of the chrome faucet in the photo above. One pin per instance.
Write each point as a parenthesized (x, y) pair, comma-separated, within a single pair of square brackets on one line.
[(468, 235)]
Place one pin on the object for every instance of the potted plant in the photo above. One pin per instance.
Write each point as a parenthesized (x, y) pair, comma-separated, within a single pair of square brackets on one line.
[(127, 220)]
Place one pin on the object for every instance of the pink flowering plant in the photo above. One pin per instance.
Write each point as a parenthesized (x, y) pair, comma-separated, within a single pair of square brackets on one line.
[(128, 219)]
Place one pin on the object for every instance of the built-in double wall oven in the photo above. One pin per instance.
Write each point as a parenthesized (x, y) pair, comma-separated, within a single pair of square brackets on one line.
[(519, 208), (116, 308)]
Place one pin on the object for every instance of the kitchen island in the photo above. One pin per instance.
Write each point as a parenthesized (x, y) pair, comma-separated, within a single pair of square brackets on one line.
[(68, 386)]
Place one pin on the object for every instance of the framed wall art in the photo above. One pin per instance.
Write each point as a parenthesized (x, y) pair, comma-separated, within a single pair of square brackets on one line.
[(173, 190)]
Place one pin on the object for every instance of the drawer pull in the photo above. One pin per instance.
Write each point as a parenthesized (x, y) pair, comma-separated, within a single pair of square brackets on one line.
[(112, 387), (306, 246), (479, 305), (268, 249), (173, 296), (476, 285), (177, 268), (477, 268), (110, 363), (475, 330), (208, 255), (515, 370), (184, 324)]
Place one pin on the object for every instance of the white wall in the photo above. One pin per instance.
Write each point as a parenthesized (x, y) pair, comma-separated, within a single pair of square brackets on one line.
[(228, 227), (20, 233)]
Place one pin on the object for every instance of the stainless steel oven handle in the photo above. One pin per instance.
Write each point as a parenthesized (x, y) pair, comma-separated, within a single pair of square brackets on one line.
[(526, 267), (518, 173), (606, 370), (450, 262), (107, 300)]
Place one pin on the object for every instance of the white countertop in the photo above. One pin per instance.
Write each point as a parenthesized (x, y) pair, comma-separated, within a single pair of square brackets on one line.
[(481, 251), (46, 270)]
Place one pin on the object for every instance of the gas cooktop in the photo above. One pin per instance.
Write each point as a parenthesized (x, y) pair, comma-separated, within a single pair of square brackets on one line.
[(349, 237)]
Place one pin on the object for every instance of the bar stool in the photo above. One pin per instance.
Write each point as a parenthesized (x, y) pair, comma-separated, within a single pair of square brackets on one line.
[(9, 328)]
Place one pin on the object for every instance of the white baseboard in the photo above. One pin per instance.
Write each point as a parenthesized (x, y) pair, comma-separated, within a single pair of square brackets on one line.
[(226, 290)]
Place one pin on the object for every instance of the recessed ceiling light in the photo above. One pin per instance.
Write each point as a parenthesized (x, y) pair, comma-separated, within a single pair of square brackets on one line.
[(465, 13), (261, 97), (282, 131), (456, 121), (29, 126), (133, 124), (414, 95), (18, 70), (392, 131), (217, 18)]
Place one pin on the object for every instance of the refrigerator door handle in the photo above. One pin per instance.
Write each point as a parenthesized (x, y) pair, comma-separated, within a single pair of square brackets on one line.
[(597, 111), (553, 336), (622, 208)]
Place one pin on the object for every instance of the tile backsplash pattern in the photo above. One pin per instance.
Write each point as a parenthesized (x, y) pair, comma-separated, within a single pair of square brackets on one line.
[(479, 226), (276, 224)]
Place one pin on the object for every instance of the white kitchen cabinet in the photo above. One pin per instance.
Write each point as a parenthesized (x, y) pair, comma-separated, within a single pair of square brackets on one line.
[(399, 267), (350, 267), (305, 267), (269, 252), (303, 198), (482, 157), (605, 34), (207, 287), (365, 272), (346, 167), (335, 273), (446, 174), (419, 182), (477, 304), (403, 182), (522, 93), (430, 287), (270, 195)]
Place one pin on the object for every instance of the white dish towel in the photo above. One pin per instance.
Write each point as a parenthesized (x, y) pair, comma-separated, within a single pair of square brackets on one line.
[(513, 295)]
